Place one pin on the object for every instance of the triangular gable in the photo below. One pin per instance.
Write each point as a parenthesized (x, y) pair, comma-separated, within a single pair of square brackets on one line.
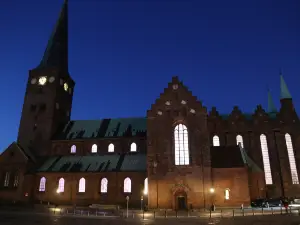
[(13, 153)]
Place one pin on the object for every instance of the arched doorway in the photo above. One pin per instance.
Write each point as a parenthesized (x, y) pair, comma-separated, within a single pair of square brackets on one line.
[(180, 200)]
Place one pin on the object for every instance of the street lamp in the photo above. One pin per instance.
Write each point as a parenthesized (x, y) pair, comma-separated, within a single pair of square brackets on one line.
[(155, 166), (212, 190), (127, 200), (57, 191), (142, 198)]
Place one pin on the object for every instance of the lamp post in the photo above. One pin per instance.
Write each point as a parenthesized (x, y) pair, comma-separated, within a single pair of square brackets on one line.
[(142, 202), (127, 200), (154, 168), (212, 191)]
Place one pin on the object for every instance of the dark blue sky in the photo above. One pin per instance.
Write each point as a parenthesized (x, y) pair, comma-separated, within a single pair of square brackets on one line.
[(123, 53)]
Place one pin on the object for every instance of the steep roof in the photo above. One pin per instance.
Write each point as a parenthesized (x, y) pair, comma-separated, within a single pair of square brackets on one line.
[(105, 128), (96, 163)]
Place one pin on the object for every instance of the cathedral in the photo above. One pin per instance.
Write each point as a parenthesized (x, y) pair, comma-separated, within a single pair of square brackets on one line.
[(179, 155)]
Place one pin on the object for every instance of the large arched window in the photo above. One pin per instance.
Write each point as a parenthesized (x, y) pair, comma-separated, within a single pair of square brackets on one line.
[(239, 140), (94, 148), (216, 140), (111, 148), (42, 186), (227, 194), (290, 149), (127, 185), (81, 187), (146, 186), (73, 149), (133, 147), (181, 142), (61, 185), (104, 183), (266, 159)]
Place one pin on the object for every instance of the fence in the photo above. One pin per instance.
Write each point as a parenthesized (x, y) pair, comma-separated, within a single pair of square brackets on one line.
[(156, 214)]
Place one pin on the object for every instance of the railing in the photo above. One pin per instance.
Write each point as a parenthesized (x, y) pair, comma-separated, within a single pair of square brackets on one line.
[(157, 214)]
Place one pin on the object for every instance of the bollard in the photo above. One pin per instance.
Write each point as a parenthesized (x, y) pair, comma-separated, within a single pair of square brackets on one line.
[(176, 213), (221, 213), (233, 213), (210, 213), (132, 214), (88, 213), (143, 214), (290, 210), (165, 213), (299, 212), (74, 212), (252, 211), (272, 211), (154, 214), (262, 210), (188, 213), (243, 212), (96, 213), (81, 212), (280, 210)]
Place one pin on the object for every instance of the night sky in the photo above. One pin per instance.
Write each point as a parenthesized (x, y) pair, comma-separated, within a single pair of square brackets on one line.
[(122, 54)]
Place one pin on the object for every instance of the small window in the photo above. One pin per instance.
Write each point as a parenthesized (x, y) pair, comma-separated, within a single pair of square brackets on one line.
[(81, 187), (227, 192), (61, 185), (127, 185), (94, 148), (42, 187), (216, 141), (133, 147), (16, 179), (111, 148), (104, 183), (73, 149)]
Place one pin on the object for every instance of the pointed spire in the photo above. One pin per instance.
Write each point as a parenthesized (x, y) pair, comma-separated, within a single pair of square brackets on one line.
[(271, 105), (56, 53), (284, 91)]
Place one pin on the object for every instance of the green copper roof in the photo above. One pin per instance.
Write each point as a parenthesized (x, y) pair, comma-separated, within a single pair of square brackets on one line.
[(105, 128), (56, 53), (284, 91), (271, 105), (95, 163)]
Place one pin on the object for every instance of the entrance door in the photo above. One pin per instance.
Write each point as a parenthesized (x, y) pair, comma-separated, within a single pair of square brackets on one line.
[(181, 202)]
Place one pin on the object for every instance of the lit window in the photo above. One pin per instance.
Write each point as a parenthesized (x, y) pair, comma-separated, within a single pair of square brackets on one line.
[(216, 141), (266, 159), (6, 179), (16, 179), (181, 145), (81, 187), (104, 183), (42, 187), (133, 147), (73, 149), (146, 186), (61, 185), (227, 194), (127, 185), (239, 140), (111, 148), (94, 148), (290, 149)]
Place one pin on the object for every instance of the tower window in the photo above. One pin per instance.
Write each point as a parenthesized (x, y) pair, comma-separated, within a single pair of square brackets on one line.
[(111, 147), (216, 141), (104, 183), (73, 149), (239, 140), (42, 187), (94, 148), (181, 142), (133, 147), (81, 187)]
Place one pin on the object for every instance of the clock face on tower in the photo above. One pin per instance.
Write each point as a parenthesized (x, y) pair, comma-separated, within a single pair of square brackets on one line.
[(66, 86), (42, 80)]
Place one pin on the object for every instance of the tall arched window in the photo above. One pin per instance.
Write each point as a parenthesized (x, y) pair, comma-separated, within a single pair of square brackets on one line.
[(104, 183), (81, 187), (181, 142), (42, 186), (111, 148), (73, 149), (266, 159), (61, 185), (6, 179), (290, 149), (239, 140), (146, 186), (16, 179), (127, 185), (133, 147), (216, 141), (227, 194), (94, 148)]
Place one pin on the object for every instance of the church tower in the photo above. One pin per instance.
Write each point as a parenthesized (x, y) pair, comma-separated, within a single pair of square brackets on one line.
[(49, 92)]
